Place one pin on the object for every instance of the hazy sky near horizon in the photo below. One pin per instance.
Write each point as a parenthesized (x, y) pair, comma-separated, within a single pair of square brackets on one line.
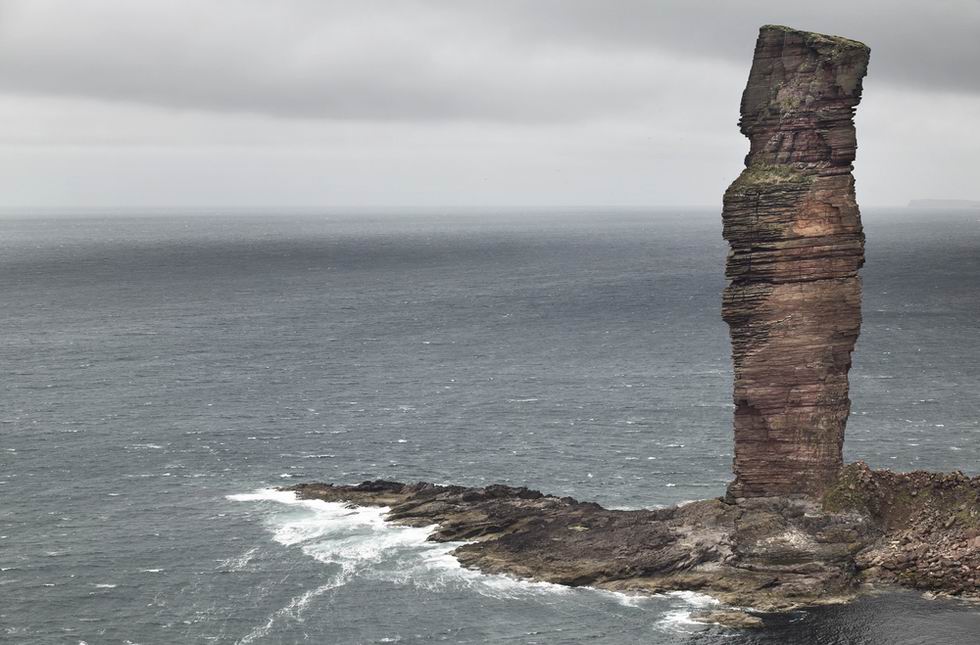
[(211, 103)]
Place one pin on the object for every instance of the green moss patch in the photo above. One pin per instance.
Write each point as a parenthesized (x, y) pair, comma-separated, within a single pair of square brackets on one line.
[(898, 499), (762, 178)]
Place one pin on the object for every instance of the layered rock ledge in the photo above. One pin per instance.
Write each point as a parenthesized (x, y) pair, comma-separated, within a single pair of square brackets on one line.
[(919, 529)]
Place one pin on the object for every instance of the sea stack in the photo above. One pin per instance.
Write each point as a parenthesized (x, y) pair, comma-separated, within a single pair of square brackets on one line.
[(803, 530), (793, 301)]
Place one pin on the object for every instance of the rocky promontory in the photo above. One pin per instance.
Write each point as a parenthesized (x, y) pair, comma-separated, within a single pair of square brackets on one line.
[(919, 529)]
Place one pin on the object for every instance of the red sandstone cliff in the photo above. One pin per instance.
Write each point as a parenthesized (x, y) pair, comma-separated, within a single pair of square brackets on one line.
[(793, 303)]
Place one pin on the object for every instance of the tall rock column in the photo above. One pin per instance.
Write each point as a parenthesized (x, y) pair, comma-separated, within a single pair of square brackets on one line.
[(793, 302)]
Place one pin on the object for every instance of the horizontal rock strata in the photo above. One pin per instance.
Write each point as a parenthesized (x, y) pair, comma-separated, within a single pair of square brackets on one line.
[(769, 553), (793, 302)]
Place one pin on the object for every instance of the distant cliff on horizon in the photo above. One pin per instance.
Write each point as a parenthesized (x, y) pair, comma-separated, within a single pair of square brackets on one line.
[(944, 203)]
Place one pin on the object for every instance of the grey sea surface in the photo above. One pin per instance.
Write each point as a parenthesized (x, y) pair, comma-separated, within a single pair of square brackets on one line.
[(162, 373)]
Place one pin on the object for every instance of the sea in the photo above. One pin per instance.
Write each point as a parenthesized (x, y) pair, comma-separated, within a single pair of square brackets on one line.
[(164, 372)]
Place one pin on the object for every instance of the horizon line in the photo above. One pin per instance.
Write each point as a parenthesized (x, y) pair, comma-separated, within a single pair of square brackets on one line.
[(212, 209)]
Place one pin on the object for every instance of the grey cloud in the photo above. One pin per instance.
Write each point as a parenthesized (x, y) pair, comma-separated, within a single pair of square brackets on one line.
[(926, 44), (406, 102), (393, 61), (508, 60)]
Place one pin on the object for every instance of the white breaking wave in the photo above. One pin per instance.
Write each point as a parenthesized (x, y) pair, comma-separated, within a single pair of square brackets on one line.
[(637, 601), (693, 598), (678, 619), (359, 543)]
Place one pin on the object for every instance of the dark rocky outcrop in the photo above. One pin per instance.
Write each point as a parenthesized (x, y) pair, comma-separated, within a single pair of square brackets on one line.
[(793, 303), (918, 529)]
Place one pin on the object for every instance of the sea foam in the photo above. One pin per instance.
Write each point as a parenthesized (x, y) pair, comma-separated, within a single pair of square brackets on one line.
[(357, 542)]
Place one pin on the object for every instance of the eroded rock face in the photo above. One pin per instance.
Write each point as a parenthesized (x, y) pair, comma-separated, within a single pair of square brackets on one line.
[(793, 303)]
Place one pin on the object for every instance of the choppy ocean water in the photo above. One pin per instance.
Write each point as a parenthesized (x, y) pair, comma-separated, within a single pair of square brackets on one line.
[(162, 373)]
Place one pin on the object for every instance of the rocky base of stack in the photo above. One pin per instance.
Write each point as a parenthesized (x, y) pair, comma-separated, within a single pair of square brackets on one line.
[(930, 525), (772, 554)]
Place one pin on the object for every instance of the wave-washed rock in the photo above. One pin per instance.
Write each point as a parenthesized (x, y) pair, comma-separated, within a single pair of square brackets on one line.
[(772, 553)]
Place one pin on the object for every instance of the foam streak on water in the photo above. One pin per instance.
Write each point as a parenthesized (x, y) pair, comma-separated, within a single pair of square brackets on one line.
[(292, 611)]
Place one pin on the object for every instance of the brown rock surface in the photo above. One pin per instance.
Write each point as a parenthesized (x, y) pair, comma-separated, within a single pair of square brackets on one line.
[(793, 303), (931, 524), (916, 529), (728, 618)]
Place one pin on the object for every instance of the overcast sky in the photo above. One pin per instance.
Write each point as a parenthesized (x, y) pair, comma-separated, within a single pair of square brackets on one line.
[(211, 103)]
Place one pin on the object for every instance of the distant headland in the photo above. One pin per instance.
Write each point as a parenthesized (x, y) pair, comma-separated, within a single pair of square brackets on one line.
[(945, 203)]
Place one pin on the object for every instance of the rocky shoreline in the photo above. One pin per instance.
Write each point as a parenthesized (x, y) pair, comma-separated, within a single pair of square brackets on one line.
[(920, 530)]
